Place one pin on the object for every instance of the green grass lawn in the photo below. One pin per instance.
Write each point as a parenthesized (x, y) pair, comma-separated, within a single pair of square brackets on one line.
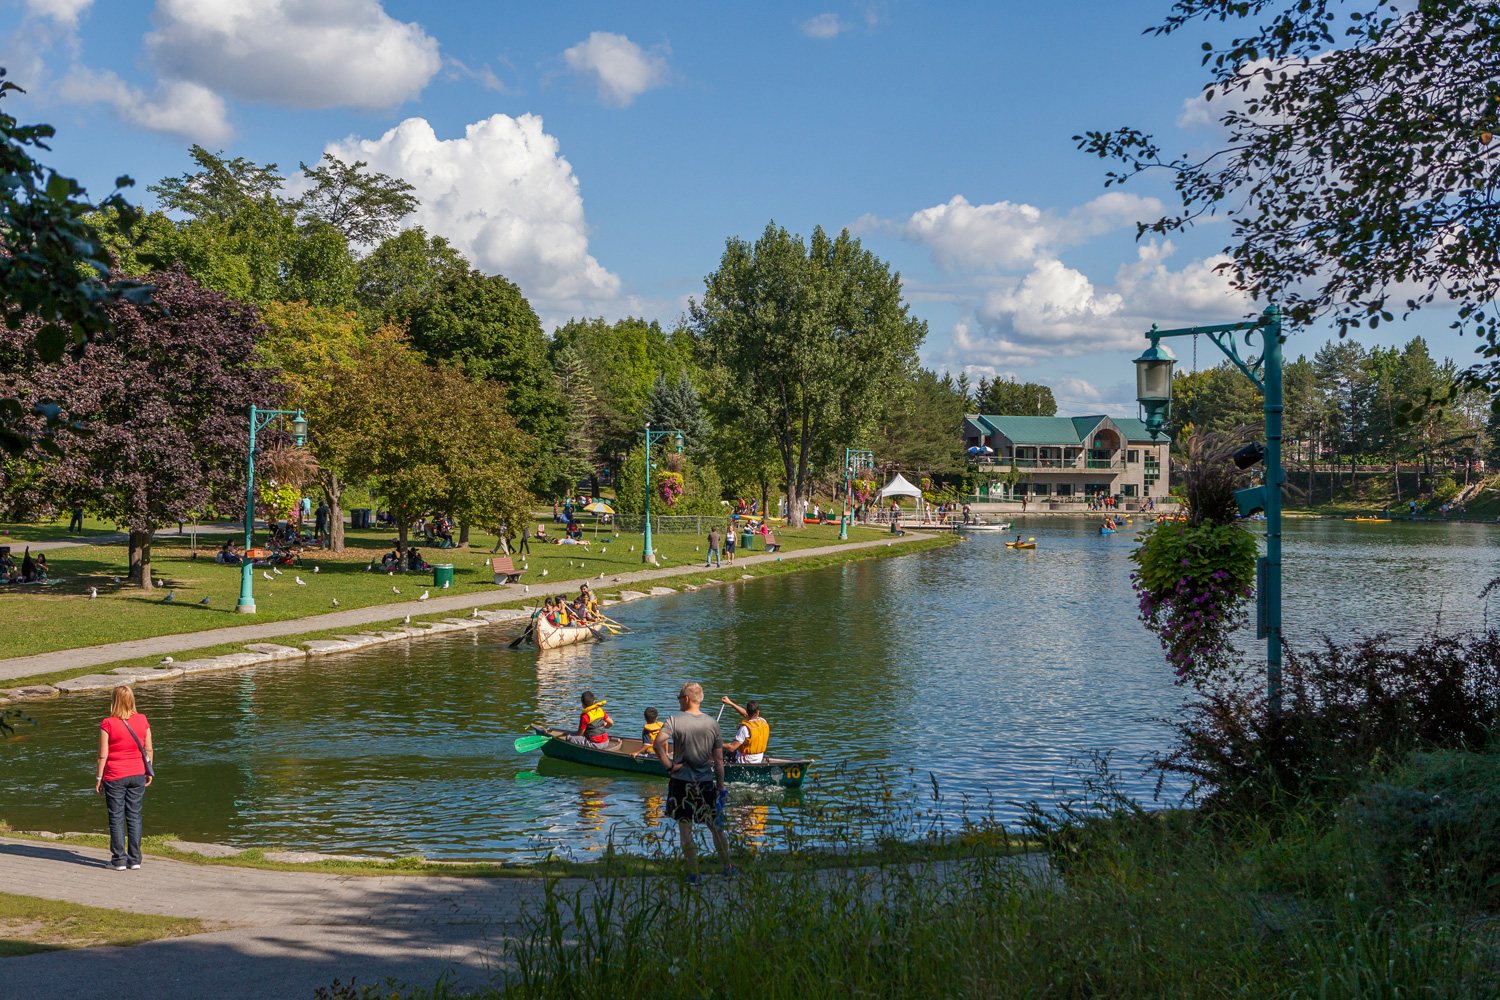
[(29, 925), (17, 535), (42, 619)]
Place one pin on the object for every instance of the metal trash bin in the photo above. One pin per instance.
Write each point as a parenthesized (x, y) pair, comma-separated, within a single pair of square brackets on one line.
[(442, 575), (747, 540)]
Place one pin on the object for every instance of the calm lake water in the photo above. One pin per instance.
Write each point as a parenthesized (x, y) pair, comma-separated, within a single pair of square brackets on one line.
[(985, 670)]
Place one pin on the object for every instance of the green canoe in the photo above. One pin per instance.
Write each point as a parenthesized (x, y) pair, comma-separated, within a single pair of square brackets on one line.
[(619, 755)]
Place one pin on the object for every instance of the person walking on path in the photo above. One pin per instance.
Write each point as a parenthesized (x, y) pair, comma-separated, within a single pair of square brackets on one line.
[(729, 545), (695, 791), (525, 545), (713, 548), (124, 771)]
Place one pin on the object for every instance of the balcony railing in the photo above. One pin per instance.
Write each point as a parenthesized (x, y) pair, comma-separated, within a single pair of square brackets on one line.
[(1076, 464)]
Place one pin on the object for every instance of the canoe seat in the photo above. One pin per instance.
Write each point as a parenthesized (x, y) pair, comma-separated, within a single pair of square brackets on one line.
[(505, 570)]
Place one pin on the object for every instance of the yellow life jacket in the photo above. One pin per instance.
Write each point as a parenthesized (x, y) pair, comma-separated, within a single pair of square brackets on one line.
[(760, 735), (593, 720), (562, 614), (652, 728)]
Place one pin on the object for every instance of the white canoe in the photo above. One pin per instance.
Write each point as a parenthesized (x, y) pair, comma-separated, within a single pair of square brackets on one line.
[(984, 527), (550, 636)]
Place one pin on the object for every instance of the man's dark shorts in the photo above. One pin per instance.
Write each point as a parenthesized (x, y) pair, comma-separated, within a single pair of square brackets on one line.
[(691, 801)]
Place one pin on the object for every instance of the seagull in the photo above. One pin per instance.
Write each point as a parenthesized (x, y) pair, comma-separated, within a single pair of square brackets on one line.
[(395, 591), (369, 569), (570, 562), (300, 582), (276, 571), (632, 548), (604, 552), (317, 569), (544, 572), (423, 597), (204, 602), (117, 579), (580, 565), (601, 576), (335, 602), (158, 583), (169, 596), (525, 590), (474, 613), (93, 592), (390, 572), (165, 661), (406, 620)]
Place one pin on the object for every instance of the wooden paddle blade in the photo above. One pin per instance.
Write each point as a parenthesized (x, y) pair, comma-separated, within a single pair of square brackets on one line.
[(526, 744)]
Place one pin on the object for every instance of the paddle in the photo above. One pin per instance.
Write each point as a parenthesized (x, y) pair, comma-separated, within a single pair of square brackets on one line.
[(522, 637), (526, 744)]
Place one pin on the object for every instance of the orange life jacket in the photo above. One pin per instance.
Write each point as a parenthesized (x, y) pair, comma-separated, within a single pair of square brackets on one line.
[(651, 729), (760, 735), (593, 721)]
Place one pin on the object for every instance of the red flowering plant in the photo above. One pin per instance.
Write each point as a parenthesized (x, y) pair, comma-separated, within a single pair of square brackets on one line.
[(1195, 576)]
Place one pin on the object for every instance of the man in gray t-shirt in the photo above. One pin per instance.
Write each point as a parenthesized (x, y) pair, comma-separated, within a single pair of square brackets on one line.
[(695, 791)]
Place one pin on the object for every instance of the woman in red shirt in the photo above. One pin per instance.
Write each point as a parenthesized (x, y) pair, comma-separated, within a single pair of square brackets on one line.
[(124, 757)]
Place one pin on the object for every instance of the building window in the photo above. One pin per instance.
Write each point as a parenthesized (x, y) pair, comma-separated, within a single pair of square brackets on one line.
[(1040, 489), (1132, 456), (1064, 489), (1129, 489)]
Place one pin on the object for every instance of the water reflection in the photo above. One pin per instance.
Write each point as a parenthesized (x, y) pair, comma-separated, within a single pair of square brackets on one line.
[(987, 668)]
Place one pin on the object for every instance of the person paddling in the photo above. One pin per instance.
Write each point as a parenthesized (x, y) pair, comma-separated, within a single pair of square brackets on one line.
[(749, 743)]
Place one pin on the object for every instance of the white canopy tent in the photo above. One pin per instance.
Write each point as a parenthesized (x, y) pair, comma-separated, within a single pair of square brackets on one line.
[(899, 487)]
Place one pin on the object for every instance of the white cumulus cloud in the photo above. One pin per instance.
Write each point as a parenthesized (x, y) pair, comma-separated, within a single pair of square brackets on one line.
[(622, 69), (824, 26), (297, 53), (173, 106), (63, 12), (504, 195), (1005, 235)]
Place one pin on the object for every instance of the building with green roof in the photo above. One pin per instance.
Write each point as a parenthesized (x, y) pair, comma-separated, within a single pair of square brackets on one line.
[(1066, 458)]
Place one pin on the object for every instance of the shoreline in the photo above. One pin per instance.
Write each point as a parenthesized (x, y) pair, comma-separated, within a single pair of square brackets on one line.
[(258, 648)]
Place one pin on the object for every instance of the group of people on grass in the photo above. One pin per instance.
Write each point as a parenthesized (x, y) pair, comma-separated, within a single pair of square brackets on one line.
[(692, 749), (30, 570)]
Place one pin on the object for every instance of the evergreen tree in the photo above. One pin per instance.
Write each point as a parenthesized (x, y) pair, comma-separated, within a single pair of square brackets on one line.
[(677, 405)]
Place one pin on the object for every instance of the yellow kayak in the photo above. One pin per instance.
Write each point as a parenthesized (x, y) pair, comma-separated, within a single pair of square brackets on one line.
[(1020, 545), (1370, 520)]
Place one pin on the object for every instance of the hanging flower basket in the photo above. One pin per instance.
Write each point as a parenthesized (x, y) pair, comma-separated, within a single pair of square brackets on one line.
[(1193, 583), (670, 487), (277, 502)]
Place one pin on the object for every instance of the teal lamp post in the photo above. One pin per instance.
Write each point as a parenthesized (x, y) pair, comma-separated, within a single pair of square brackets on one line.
[(259, 420), (651, 438), (1153, 374), (850, 454)]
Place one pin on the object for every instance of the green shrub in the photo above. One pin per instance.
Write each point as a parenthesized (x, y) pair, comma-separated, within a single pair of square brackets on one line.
[(1445, 490)]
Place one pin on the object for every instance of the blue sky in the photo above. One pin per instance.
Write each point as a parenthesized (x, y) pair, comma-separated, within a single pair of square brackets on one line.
[(600, 154)]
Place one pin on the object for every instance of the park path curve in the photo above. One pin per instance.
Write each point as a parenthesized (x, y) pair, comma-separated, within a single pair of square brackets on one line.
[(285, 933), (164, 645)]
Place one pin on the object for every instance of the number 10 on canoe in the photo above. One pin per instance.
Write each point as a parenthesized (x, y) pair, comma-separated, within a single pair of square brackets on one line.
[(526, 744)]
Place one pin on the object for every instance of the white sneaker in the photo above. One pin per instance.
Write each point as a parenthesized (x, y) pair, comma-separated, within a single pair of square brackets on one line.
[(135, 867), (118, 868)]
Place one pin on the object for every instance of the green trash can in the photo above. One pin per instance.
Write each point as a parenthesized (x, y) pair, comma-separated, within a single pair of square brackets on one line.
[(747, 540), (442, 574)]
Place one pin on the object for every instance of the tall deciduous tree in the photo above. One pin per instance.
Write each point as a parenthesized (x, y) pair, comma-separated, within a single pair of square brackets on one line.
[(365, 207), (1359, 175), (316, 348), (432, 440), (803, 343), (165, 392), (404, 270), (220, 188)]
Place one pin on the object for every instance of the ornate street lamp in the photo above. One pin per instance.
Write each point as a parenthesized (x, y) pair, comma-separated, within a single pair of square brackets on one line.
[(847, 517), (1153, 385), (651, 438), (259, 420), (1153, 379)]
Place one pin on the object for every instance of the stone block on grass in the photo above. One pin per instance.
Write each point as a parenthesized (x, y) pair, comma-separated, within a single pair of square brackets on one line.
[(466, 622), (321, 647), (276, 651), (361, 640), (93, 682), (207, 850), (310, 857), (30, 692), (148, 673), (661, 591), (632, 595), (230, 661), (608, 602), (201, 666)]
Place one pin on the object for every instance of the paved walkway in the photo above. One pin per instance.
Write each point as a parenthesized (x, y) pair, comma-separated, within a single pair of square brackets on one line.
[(286, 933), (164, 645), (18, 545)]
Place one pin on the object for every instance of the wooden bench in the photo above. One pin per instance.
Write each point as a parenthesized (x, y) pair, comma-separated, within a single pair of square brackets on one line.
[(505, 570)]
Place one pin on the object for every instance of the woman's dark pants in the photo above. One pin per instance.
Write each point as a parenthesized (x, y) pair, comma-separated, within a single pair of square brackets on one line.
[(123, 797)]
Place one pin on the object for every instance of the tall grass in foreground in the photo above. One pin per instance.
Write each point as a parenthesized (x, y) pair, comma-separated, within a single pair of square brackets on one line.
[(1123, 903)]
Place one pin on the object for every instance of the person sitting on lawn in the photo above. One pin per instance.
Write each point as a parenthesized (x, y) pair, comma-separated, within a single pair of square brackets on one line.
[(414, 561)]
